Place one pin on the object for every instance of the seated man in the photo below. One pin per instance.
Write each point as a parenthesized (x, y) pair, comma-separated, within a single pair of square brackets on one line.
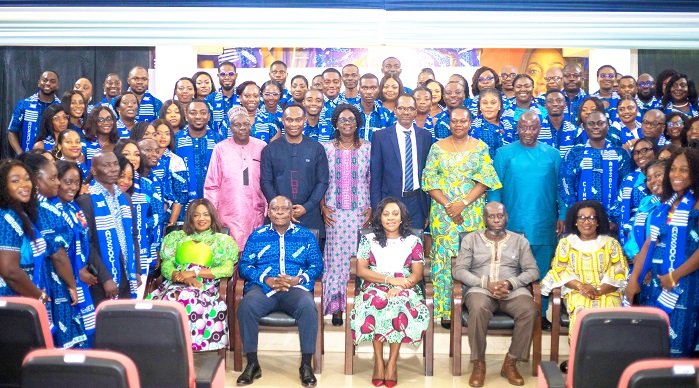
[(495, 265), (280, 264)]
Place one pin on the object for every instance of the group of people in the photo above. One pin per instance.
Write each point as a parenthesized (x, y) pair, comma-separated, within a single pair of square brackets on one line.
[(566, 187)]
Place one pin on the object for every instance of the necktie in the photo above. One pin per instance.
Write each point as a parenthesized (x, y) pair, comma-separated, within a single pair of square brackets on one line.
[(408, 172)]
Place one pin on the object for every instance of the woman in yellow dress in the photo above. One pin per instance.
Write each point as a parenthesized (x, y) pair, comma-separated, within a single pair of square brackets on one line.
[(457, 173)]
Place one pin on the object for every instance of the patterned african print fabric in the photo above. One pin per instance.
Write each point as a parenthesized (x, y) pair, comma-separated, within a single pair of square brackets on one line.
[(633, 189), (26, 118), (348, 197), (494, 136), (208, 325), (400, 319), (378, 119), (594, 262), (455, 174), (266, 124)]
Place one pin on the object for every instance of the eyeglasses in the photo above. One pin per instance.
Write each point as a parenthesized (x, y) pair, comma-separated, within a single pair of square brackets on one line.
[(645, 84), (406, 109), (508, 75), (587, 218), (224, 74), (495, 216), (347, 120), (271, 94), (651, 123), (554, 78), (485, 79), (642, 151), (104, 119), (675, 124), (607, 75)]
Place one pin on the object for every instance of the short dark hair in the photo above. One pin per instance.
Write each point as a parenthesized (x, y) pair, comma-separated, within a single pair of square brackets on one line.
[(491, 91), (458, 108), (404, 229), (668, 118), (422, 89), (229, 63), (188, 226), (63, 166), (357, 116), (331, 70), (600, 213), (241, 88), (269, 83), (174, 91), (301, 77), (628, 77), (278, 62), (603, 66), (294, 105)]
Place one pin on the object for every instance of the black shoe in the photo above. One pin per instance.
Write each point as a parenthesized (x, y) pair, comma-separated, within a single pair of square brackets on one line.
[(564, 367), (250, 374), (308, 379), (337, 319), (446, 324), (545, 324)]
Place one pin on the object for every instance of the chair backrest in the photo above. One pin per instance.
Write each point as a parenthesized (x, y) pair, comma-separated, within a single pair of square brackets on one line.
[(154, 334), (670, 372), (24, 326), (364, 231), (78, 368), (607, 340)]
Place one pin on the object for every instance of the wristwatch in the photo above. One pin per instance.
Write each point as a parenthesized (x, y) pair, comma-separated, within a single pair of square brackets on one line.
[(465, 202), (196, 272), (43, 298)]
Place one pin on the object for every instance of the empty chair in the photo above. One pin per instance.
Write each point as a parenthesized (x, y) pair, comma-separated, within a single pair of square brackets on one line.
[(25, 327), (659, 373), (155, 335), (61, 368), (607, 340)]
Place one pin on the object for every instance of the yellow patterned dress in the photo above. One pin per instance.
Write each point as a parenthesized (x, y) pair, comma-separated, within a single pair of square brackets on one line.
[(455, 174), (595, 262)]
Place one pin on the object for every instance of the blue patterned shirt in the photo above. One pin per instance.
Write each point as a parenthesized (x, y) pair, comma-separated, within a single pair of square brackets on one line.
[(148, 108), (219, 105), (562, 138), (321, 132), (376, 120), (573, 104), (196, 153), (492, 135), (26, 119), (270, 254), (266, 124)]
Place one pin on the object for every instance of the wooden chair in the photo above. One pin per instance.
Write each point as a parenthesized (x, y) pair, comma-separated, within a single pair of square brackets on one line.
[(560, 322), (225, 292), (500, 323), (353, 286), (277, 321)]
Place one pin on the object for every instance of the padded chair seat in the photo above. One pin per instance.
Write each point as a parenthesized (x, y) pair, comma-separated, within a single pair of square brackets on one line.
[(278, 319), (499, 321)]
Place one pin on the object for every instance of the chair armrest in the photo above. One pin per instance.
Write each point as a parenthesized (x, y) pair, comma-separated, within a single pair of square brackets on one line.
[(550, 375), (536, 292), (210, 371)]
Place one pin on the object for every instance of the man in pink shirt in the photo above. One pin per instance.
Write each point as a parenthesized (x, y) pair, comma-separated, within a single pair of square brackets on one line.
[(233, 179)]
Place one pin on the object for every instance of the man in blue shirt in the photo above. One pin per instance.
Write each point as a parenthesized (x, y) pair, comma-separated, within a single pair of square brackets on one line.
[(391, 65), (556, 131), (606, 76), (316, 127), (149, 106), (280, 264), (26, 117), (646, 94), (224, 99), (332, 79), (112, 89), (376, 117), (350, 78), (454, 97), (572, 83), (278, 73)]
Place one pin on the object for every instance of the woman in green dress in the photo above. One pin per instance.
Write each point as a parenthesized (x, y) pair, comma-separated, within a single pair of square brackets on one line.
[(457, 174), (194, 260)]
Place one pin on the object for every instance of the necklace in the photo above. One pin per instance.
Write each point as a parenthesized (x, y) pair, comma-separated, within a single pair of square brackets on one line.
[(680, 105), (453, 143), (343, 146)]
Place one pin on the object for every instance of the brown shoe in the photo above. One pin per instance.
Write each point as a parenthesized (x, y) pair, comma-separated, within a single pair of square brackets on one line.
[(509, 371), (477, 378)]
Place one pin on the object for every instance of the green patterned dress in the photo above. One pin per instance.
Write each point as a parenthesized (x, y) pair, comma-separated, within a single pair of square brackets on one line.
[(455, 174), (207, 312)]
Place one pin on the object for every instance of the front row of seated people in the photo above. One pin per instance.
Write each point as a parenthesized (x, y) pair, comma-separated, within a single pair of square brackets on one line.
[(282, 260)]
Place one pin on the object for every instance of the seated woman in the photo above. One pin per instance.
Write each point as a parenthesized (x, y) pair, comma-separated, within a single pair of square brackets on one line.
[(589, 264), (194, 259), (389, 308)]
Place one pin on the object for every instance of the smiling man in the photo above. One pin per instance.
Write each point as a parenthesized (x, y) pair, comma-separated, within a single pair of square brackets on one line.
[(26, 117), (236, 192), (148, 105)]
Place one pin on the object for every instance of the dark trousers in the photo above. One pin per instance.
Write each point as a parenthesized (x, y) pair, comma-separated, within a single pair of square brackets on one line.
[(296, 302), (98, 294)]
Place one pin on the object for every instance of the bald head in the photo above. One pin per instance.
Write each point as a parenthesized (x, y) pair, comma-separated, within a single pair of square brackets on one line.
[(495, 218), (105, 168), (528, 128), (84, 87), (653, 124), (494, 207)]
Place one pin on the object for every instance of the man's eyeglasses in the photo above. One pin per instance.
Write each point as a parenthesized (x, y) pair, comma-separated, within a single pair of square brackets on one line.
[(554, 78), (508, 75), (645, 84), (224, 74), (607, 76)]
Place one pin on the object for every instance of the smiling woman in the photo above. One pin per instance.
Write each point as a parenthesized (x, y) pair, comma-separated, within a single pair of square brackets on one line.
[(194, 260)]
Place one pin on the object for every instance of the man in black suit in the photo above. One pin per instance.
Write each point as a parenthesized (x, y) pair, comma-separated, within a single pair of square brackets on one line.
[(398, 156), (105, 170)]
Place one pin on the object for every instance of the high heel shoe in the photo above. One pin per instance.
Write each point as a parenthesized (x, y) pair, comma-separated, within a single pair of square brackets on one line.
[(390, 383), (377, 382)]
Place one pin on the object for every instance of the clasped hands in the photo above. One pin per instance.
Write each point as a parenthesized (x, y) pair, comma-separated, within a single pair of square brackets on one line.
[(282, 283), (499, 289), (454, 210), (399, 284), (187, 277)]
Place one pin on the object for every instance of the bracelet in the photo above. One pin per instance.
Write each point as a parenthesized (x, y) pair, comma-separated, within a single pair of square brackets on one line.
[(43, 297), (196, 272), (465, 202), (385, 280), (672, 279)]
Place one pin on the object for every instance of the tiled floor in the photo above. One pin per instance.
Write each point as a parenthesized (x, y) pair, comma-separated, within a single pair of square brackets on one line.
[(279, 358)]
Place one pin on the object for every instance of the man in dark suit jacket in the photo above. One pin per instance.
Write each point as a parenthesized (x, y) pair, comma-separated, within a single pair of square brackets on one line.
[(105, 170), (392, 173)]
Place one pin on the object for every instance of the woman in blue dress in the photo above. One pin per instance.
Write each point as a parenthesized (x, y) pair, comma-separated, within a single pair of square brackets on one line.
[(22, 247), (489, 126), (68, 331), (70, 178), (671, 255)]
